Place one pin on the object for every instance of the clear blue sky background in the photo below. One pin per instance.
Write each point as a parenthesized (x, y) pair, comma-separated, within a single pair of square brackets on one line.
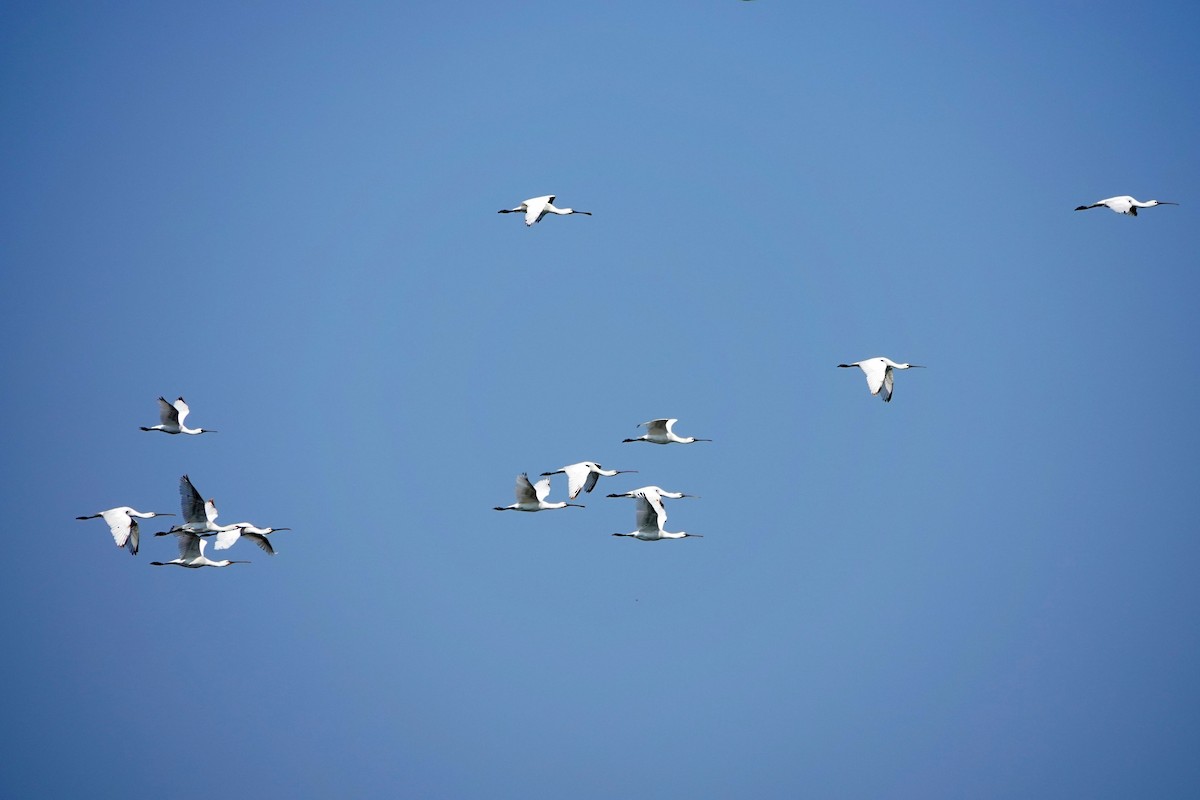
[(286, 213)]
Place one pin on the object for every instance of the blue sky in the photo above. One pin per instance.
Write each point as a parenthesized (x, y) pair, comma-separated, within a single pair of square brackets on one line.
[(286, 214)]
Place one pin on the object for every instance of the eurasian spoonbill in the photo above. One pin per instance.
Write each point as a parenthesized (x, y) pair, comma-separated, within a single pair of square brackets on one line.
[(123, 525), (658, 431), (198, 516), (1126, 204), (227, 539), (532, 496), (583, 476), (879, 374), (171, 417), (650, 520), (191, 554), (656, 491), (537, 207)]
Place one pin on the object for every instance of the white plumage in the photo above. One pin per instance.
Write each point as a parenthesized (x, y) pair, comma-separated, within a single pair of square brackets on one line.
[(879, 374), (171, 418), (651, 516), (191, 554), (660, 431), (123, 526), (1124, 204), (582, 477), (537, 207), (532, 496)]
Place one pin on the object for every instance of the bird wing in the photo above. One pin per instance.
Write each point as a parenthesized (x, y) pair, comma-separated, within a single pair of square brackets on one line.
[(889, 377), (535, 208), (590, 483), (133, 537), (577, 476), (525, 493), (658, 427), (1122, 204), (119, 523), (874, 369), (182, 407), (650, 514), (190, 502), (227, 539), (542, 489), (167, 413), (261, 541), (190, 545), (210, 511)]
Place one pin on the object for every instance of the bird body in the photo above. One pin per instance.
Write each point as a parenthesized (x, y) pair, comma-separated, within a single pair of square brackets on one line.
[(532, 496), (583, 476), (171, 417), (1125, 204), (191, 554), (879, 374), (537, 207), (124, 527), (650, 520), (659, 431)]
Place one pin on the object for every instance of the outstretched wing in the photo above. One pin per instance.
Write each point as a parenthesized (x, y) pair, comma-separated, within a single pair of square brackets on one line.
[(167, 413), (577, 476), (190, 544), (535, 208), (181, 407), (261, 541), (190, 502), (525, 493), (658, 427), (590, 483), (542, 489), (120, 524), (227, 539), (651, 516), (889, 378), (875, 370), (133, 537)]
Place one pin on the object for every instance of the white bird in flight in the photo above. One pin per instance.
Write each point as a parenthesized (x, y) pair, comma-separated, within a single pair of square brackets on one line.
[(532, 496), (537, 207), (198, 516), (1126, 204), (583, 476), (653, 491), (227, 539), (650, 520), (879, 374), (191, 554), (171, 417), (123, 525), (658, 431)]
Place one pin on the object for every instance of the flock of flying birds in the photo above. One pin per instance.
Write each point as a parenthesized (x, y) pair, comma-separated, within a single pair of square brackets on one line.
[(199, 516), (582, 477), (651, 514)]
